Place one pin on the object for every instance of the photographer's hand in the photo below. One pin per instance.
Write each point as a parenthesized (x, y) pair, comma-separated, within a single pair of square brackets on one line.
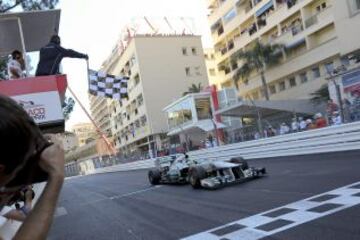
[(52, 159), (38, 222)]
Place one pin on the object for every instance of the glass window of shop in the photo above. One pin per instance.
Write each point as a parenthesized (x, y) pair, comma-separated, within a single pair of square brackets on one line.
[(203, 108), (180, 114)]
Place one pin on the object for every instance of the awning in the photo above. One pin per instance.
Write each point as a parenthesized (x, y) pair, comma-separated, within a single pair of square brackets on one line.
[(264, 8), (351, 81), (37, 27), (250, 109), (202, 125), (295, 44)]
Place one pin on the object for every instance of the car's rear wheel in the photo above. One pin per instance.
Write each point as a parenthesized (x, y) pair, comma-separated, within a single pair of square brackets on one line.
[(196, 175), (154, 177), (241, 161)]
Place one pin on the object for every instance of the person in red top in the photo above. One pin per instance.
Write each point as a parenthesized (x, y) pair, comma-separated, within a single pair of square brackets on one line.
[(320, 121)]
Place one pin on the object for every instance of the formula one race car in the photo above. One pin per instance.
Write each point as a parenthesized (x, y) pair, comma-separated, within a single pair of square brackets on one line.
[(206, 174)]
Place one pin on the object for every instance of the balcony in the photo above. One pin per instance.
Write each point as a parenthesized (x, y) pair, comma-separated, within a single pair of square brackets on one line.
[(324, 16)]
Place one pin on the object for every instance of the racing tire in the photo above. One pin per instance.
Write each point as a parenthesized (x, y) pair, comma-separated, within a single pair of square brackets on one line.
[(196, 174), (154, 177), (241, 161)]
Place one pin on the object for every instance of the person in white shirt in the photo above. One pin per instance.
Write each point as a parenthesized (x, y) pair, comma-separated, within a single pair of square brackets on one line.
[(295, 125), (336, 119), (16, 65), (302, 124), (284, 129)]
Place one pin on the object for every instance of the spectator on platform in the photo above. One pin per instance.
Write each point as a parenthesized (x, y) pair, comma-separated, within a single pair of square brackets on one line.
[(16, 65), (295, 125), (347, 110), (331, 108), (302, 124), (51, 56), (284, 129), (310, 125), (19, 136), (336, 119), (320, 121)]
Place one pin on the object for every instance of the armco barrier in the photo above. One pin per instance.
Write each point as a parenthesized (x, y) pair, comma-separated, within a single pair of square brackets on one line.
[(331, 139)]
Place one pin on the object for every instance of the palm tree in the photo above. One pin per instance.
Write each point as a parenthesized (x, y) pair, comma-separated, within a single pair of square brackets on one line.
[(258, 59), (193, 89), (321, 95)]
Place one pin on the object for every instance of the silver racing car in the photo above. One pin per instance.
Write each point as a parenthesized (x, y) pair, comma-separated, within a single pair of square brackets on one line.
[(206, 174)]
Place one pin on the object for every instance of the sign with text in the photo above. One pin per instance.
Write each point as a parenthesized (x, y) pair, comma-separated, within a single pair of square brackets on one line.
[(43, 107)]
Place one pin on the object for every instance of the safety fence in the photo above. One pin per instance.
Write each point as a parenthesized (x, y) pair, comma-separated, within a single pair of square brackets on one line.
[(330, 139)]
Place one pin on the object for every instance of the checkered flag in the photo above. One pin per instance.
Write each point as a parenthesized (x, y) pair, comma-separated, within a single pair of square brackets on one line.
[(106, 85)]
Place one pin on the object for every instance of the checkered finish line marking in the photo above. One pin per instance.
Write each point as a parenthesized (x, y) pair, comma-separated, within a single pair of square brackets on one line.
[(283, 218)]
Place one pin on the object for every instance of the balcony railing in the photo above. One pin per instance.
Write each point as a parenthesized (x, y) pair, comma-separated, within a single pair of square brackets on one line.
[(316, 18)]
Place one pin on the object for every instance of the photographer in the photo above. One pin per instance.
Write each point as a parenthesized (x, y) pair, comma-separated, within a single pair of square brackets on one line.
[(19, 143)]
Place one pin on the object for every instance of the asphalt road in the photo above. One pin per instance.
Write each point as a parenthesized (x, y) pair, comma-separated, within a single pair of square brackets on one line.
[(123, 205)]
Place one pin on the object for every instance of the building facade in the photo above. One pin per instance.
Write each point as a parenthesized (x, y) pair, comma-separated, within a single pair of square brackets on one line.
[(161, 68), (214, 75), (84, 132), (319, 36)]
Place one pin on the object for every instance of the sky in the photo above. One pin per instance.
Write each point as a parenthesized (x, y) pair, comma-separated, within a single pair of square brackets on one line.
[(93, 27)]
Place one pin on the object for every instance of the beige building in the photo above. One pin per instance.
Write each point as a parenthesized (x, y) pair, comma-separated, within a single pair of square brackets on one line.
[(214, 74), (319, 36), (85, 132), (100, 112), (70, 141), (161, 68)]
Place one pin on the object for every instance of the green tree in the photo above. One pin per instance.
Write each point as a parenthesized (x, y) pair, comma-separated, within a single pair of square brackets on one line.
[(259, 58), (321, 95), (68, 107), (193, 89), (27, 5)]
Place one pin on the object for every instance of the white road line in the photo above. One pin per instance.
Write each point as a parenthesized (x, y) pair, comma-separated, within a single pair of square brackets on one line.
[(60, 211), (288, 216), (134, 193)]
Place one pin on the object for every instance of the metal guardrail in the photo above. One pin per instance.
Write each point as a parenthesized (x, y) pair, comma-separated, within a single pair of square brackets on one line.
[(331, 139)]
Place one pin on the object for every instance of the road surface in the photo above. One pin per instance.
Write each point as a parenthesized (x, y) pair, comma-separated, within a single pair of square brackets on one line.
[(124, 205)]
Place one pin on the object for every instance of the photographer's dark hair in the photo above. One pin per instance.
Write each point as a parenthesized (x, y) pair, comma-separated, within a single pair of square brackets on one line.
[(18, 134), (15, 53)]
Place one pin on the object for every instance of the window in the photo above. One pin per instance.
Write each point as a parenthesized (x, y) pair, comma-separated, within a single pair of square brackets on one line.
[(292, 82), (184, 51), (357, 4), (272, 89), (197, 71), (282, 86), (212, 72), (193, 50), (316, 72), (229, 15), (303, 77), (140, 100), (329, 67), (187, 71)]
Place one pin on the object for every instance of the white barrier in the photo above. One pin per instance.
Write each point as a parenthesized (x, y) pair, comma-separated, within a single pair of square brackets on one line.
[(331, 139)]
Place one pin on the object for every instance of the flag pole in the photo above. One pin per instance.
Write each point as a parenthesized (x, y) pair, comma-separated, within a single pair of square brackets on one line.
[(98, 130)]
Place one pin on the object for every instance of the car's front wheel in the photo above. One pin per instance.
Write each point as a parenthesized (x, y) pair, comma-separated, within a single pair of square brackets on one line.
[(154, 177), (196, 175)]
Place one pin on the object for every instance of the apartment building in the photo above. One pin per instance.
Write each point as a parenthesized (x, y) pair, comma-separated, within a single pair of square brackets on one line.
[(214, 75), (319, 36), (100, 112), (84, 132), (161, 68)]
